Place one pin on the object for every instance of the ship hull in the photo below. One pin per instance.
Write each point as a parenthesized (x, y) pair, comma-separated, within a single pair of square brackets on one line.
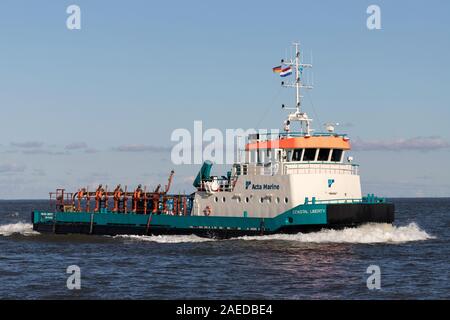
[(304, 218)]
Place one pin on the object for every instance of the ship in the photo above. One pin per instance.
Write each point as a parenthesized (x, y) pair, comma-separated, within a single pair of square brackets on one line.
[(289, 182)]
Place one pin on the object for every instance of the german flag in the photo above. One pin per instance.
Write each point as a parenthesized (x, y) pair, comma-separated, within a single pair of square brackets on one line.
[(277, 69)]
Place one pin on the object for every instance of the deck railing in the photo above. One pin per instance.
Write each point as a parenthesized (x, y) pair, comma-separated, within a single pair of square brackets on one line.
[(296, 168), (319, 167), (368, 199)]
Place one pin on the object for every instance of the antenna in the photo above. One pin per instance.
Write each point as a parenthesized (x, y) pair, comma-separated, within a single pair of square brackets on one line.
[(297, 84)]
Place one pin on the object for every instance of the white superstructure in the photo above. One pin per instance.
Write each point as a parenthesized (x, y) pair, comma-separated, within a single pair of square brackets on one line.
[(281, 172)]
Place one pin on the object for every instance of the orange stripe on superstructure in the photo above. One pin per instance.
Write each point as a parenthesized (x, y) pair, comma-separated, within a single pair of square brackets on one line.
[(331, 142)]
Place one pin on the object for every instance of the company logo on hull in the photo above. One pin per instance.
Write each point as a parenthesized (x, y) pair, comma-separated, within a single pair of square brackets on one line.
[(265, 186), (330, 182)]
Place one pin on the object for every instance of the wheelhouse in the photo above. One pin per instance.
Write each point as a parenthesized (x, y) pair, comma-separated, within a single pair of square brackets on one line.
[(329, 148)]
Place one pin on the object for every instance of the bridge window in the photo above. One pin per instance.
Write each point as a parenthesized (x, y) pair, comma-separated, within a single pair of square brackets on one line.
[(323, 155), (289, 155), (309, 155), (297, 156), (336, 155), (258, 156)]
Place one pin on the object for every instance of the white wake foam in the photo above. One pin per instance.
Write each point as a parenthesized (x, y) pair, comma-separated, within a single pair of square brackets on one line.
[(368, 233), (17, 228), (165, 238)]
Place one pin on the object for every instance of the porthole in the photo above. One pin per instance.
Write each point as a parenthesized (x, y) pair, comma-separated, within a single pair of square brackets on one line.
[(223, 199), (216, 199), (238, 199), (277, 200), (269, 200), (247, 199), (286, 200), (261, 200)]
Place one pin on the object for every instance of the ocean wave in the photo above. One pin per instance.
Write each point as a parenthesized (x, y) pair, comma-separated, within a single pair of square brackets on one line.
[(165, 238), (368, 233), (22, 228)]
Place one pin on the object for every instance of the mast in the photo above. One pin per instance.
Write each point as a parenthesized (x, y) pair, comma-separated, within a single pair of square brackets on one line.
[(297, 77), (298, 115)]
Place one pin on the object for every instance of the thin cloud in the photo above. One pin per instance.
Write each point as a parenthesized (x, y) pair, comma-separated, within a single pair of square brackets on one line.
[(76, 146), (141, 148), (90, 150), (417, 143), (12, 167), (44, 152), (27, 144)]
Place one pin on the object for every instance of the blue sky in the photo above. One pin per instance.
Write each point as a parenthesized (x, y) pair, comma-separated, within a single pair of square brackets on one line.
[(73, 102)]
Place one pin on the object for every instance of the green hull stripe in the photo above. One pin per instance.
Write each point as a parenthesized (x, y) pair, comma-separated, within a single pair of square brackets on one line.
[(300, 215)]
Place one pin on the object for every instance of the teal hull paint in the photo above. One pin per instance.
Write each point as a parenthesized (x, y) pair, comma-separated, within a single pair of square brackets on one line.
[(310, 214)]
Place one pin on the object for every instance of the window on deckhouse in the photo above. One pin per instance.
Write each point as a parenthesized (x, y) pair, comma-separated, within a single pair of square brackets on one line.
[(336, 155), (297, 156), (323, 155), (310, 154), (289, 155)]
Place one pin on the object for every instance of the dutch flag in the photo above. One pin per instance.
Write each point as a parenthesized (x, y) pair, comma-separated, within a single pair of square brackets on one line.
[(286, 72)]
